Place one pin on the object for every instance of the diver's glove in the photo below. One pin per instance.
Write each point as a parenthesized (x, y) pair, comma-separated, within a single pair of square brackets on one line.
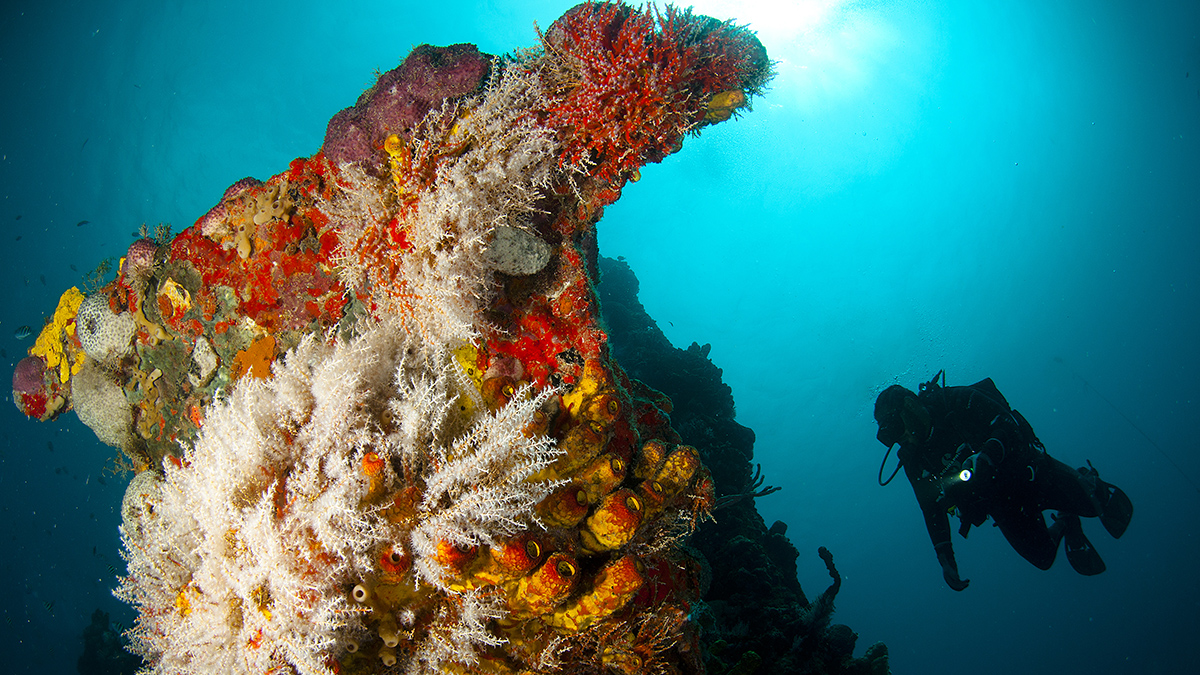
[(945, 556)]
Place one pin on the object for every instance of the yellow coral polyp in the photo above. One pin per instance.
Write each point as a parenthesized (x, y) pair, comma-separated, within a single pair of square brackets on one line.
[(602, 476), (620, 656), (399, 160), (594, 378), (579, 446), (456, 559), (182, 604), (649, 459), (722, 106), (677, 472), (653, 497), (174, 296), (508, 560), (539, 592), (467, 357), (394, 146), (613, 523), (52, 342), (616, 584), (566, 507), (456, 132)]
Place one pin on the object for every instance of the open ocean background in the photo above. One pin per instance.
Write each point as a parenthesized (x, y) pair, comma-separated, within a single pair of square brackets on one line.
[(1004, 189)]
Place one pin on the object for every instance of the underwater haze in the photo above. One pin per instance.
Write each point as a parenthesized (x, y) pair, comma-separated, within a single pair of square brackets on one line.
[(997, 189)]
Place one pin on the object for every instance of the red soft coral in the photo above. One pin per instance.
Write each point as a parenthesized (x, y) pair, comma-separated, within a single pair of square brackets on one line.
[(632, 81)]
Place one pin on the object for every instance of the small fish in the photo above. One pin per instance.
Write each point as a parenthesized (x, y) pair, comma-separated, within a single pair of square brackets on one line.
[(85, 142), (118, 626), (50, 446), (18, 216), (74, 269), (113, 570), (82, 223), (49, 604), (93, 550), (23, 332), (3, 353), (42, 277), (19, 237)]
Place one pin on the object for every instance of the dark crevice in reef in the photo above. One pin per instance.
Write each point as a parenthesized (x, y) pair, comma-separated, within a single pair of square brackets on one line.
[(756, 617)]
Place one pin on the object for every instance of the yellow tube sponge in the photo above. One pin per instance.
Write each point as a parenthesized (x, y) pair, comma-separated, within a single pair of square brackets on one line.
[(52, 344)]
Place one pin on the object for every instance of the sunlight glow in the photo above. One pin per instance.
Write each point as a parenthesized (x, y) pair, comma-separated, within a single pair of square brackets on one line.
[(826, 50)]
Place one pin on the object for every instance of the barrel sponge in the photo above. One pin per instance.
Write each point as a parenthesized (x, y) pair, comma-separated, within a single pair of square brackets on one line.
[(105, 336), (516, 251), (101, 405)]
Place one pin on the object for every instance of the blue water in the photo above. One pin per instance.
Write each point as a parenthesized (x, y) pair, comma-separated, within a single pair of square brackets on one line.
[(998, 189)]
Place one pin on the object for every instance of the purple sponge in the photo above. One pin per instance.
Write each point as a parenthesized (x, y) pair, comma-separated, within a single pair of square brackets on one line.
[(401, 97), (27, 376)]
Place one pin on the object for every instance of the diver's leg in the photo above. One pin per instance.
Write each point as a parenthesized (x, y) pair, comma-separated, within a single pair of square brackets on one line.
[(1081, 492), (1025, 529), (1116, 509), (1062, 488)]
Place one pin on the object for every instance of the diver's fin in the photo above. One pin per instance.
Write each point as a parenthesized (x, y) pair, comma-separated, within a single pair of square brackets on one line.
[(1080, 552), (1116, 509)]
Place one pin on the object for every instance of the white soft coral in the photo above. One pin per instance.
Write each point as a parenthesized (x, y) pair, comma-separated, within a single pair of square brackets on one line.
[(241, 558), (491, 162)]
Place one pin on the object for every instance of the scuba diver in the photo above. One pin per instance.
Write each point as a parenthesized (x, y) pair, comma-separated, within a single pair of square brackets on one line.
[(966, 451)]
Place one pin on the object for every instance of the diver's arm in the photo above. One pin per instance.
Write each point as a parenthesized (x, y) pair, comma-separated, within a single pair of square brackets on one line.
[(937, 523), (928, 498), (945, 556)]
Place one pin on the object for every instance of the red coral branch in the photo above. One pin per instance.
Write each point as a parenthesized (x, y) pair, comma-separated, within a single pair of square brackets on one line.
[(637, 80)]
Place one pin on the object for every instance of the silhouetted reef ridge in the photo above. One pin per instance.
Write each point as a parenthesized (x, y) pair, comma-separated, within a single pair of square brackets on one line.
[(756, 617)]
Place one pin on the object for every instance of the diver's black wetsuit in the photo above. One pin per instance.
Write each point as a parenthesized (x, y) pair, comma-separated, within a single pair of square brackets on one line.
[(1013, 480)]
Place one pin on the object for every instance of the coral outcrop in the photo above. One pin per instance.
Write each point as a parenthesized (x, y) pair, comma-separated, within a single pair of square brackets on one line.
[(375, 415), (755, 617)]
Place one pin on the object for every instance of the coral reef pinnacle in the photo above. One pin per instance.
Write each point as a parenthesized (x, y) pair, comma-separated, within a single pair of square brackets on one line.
[(370, 399)]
